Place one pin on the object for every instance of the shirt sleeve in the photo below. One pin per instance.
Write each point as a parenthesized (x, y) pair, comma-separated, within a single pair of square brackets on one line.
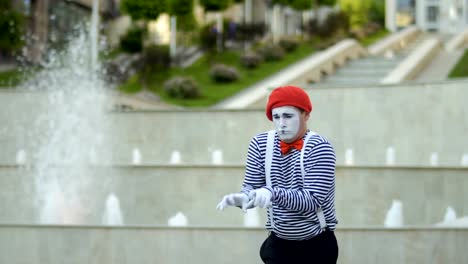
[(255, 168), (319, 181)]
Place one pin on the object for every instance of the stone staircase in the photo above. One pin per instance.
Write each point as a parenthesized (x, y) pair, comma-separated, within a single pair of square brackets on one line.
[(370, 69)]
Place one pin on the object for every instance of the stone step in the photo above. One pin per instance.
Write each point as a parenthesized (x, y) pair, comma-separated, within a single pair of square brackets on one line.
[(213, 245), (150, 195), (379, 115)]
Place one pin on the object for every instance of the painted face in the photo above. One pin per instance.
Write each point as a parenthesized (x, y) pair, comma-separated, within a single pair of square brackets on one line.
[(288, 122)]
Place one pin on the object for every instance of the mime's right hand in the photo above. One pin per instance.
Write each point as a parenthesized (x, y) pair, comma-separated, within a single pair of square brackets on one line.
[(234, 199)]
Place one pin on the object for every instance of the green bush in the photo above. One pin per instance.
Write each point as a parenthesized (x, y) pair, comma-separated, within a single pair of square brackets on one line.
[(272, 52), (208, 37), (132, 42), (156, 57), (182, 87), (250, 31), (251, 60), (223, 73)]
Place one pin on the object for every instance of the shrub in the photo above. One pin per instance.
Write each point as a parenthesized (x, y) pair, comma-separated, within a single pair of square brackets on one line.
[(251, 60), (250, 31), (132, 42), (224, 73), (182, 87), (272, 52), (208, 37), (288, 44), (156, 57)]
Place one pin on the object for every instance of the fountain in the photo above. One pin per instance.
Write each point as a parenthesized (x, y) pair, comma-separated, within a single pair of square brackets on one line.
[(175, 157), (464, 160), (21, 157), (71, 129), (136, 157), (434, 161), (252, 218), (394, 217), (390, 156), (112, 213), (217, 157), (349, 157), (178, 219)]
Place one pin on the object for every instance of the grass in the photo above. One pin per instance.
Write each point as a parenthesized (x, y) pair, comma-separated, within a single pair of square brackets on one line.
[(11, 78), (369, 40), (213, 92), (461, 68)]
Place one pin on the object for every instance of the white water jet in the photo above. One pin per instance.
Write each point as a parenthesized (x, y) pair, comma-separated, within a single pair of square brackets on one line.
[(394, 217), (434, 161), (217, 157), (136, 156), (60, 209), (21, 157), (112, 212), (450, 215), (464, 160), (74, 125), (390, 156), (252, 218), (175, 157), (178, 220), (349, 157)]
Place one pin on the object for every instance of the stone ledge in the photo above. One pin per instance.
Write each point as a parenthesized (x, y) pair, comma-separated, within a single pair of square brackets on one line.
[(395, 41), (415, 62)]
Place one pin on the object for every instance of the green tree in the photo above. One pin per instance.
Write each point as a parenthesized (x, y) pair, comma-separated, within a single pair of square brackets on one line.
[(183, 10), (357, 11), (11, 28), (144, 9), (215, 5)]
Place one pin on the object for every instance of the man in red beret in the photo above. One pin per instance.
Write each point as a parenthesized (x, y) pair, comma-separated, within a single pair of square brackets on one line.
[(291, 172)]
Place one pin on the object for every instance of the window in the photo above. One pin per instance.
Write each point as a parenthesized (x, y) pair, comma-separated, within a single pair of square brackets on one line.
[(432, 13)]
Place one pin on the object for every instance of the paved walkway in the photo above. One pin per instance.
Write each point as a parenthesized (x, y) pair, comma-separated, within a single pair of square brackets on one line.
[(440, 66)]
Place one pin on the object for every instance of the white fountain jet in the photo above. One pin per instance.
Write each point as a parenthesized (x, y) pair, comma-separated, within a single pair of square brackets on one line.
[(112, 212), (175, 157), (390, 156), (349, 157), (217, 157), (464, 160), (394, 217), (252, 218), (136, 156), (178, 219), (434, 159), (21, 157)]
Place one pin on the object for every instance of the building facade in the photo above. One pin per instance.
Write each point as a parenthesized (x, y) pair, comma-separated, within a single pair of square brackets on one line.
[(446, 16)]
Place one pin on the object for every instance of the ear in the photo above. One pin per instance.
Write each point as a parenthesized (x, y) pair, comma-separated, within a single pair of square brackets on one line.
[(306, 116)]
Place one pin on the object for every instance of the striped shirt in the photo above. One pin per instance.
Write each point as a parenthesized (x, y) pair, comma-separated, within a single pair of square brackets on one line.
[(295, 200)]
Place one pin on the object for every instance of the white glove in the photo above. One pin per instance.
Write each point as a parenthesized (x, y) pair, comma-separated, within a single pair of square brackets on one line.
[(260, 197), (234, 199)]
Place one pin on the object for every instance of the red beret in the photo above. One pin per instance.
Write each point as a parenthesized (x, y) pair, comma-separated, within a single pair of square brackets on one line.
[(288, 96)]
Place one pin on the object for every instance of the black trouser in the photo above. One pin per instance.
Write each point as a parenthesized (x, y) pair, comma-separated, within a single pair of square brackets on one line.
[(321, 249)]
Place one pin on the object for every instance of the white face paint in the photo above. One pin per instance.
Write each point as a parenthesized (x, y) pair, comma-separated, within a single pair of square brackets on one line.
[(287, 122)]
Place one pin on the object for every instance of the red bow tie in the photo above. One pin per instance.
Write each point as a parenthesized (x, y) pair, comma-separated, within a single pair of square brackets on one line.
[(286, 147)]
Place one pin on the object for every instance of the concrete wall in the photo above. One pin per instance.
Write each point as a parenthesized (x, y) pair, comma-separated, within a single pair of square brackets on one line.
[(88, 244), (415, 119), (152, 194)]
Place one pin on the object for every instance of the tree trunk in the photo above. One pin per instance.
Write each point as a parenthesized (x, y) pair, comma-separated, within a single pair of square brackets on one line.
[(39, 30)]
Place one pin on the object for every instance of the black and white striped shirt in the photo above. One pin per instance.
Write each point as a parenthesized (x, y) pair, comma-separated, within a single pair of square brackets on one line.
[(295, 200)]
